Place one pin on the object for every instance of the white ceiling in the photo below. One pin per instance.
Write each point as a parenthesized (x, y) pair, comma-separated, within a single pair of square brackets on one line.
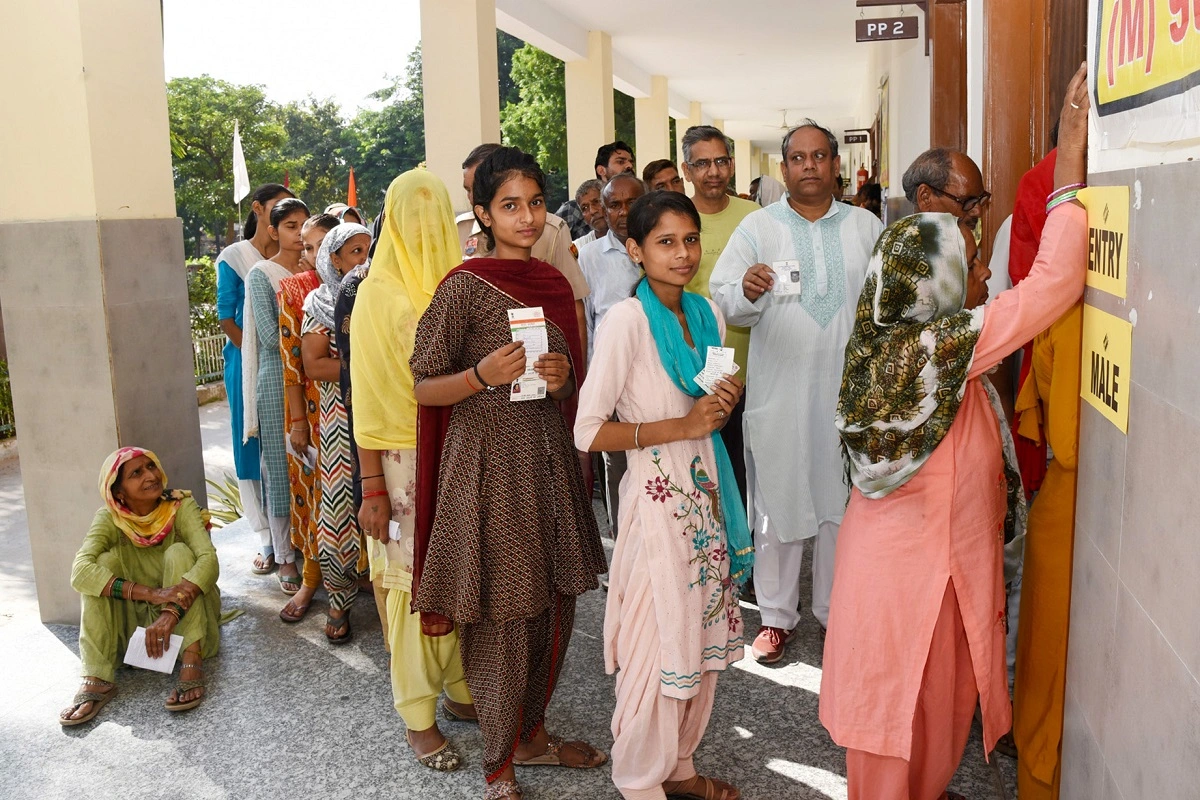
[(743, 61)]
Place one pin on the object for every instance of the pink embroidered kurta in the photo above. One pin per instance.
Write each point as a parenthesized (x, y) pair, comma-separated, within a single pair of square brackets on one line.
[(896, 554), (666, 521)]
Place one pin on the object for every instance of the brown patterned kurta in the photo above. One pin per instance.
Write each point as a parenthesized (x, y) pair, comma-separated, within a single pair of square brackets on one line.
[(514, 539)]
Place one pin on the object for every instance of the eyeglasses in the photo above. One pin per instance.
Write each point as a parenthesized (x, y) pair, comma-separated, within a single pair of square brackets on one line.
[(703, 164), (966, 203)]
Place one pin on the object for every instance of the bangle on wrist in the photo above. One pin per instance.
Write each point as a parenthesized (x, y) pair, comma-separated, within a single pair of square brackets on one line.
[(479, 378), (636, 430), (299, 419), (467, 378), (117, 588), (374, 493), (371, 477)]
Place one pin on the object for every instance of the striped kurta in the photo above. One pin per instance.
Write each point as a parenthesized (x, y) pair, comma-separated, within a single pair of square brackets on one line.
[(339, 540)]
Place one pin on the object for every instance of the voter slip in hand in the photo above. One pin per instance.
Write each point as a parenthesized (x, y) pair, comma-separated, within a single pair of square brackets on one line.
[(717, 365), (528, 326), (787, 278), (135, 654)]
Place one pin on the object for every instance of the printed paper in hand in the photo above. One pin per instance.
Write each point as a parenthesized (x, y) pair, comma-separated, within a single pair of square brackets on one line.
[(308, 457), (528, 326), (717, 365), (787, 278), (394, 530), (135, 654)]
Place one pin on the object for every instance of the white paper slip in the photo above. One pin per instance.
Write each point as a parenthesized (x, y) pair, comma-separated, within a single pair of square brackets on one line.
[(528, 326), (308, 457), (135, 655), (717, 365), (394, 530), (787, 278)]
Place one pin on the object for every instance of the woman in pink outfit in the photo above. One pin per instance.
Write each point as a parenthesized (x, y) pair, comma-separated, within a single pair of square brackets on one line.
[(917, 622), (672, 621)]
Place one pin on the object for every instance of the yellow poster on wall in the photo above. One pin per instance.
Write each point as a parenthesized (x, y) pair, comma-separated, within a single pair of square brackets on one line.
[(1108, 237), (1107, 347), (1146, 50)]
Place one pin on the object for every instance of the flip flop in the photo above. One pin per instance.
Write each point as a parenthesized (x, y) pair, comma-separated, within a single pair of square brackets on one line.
[(290, 584), (339, 625), (268, 564), (550, 758), (183, 687), (98, 700), (291, 619)]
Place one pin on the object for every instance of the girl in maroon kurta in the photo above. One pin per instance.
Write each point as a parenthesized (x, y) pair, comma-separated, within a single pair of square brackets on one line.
[(506, 537)]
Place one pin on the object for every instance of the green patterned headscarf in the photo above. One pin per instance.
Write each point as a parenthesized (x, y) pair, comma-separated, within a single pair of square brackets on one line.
[(909, 353)]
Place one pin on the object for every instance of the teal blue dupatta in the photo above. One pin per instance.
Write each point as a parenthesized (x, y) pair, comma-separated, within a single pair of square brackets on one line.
[(682, 364)]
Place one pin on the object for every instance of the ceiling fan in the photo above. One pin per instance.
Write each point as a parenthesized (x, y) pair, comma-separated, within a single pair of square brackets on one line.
[(785, 125)]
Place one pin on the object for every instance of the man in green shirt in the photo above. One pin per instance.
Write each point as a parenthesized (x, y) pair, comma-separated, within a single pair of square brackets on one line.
[(708, 166)]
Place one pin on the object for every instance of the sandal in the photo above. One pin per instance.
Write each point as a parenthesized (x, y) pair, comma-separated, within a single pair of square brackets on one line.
[(502, 790), (449, 713), (341, 627), (550, 758), (444, 759), (713, 790), (183, 687), (263, 566), (98, 700), (294, 617), (290, 584)]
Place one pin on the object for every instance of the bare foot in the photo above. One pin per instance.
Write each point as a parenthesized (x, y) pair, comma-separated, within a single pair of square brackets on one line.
[(81, 710)]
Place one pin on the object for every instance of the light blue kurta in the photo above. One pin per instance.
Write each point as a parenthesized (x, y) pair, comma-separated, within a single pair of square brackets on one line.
[(231, 297)]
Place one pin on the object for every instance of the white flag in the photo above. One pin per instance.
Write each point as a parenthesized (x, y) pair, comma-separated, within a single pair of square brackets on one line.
[(241, 179)]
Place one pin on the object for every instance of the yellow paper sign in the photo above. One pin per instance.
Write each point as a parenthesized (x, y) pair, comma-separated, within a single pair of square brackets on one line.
[(1108, 237), (1104, 384), (1146, 50)]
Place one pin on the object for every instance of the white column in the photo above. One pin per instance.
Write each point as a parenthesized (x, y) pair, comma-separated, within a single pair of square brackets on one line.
[(91, 267), (653, 122), (743, 161), (461, 85), (755, 161), (590, 121), (719, 124)]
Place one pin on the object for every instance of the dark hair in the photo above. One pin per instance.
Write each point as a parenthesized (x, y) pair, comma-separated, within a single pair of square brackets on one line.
[(285, 208), (648, 209), (503, 164), (262, 195), (325, 222), (808, 123), (703, 133), (476, 156), (931, 168), (606, 152), (655, 167)]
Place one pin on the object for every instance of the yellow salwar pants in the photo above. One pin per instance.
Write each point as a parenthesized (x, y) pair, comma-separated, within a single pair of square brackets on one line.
[(106, 623)]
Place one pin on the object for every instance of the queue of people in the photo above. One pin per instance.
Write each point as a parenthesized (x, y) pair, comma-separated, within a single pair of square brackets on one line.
[(383, 443)]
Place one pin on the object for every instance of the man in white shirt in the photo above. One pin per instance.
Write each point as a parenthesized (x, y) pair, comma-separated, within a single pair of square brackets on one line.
[(611, 275), (587, 197), (797, 349)]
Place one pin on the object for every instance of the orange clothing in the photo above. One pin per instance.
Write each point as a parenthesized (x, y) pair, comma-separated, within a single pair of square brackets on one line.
[(305, 488), (1052, 397), (896, 555)]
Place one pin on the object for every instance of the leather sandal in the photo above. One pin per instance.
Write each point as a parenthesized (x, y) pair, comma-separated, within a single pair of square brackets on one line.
[(98, 700), (502, 790), (554, 747), (183, 687), (444, 759), (687, 790), (341, 628), (453, 716)]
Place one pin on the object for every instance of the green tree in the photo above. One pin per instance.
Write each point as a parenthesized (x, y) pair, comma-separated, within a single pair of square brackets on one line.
[(537, 123), (386, 142), (316, 148), (623, 118), (202, 111)]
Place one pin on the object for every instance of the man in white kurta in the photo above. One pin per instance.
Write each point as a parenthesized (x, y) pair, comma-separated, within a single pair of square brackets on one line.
[(794, 371)]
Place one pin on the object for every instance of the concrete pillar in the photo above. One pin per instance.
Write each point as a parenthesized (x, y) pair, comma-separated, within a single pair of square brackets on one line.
[(590, 121), (91, 268), (719, 124), (681, 126), (461, 85), (743, 160), (765, 167), (755, 161), (653, 122)]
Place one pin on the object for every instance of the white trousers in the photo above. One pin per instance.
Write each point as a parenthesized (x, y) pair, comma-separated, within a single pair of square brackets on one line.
[(252, 510), (281, 536), (777, 571)]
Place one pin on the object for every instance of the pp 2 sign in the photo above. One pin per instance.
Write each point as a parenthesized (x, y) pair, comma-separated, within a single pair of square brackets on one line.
[(1146, 50)]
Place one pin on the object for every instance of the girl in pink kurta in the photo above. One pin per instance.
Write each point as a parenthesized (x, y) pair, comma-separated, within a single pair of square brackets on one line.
[(672, 621), (916, 625)]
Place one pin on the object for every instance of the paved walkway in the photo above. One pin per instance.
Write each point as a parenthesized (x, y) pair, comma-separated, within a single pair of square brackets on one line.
[(289, 716)]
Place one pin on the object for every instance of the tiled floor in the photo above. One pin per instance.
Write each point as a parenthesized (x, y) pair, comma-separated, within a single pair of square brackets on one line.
[(291, 717)]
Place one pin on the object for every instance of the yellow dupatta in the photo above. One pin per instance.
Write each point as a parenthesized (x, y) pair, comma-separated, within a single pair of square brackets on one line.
[(151, 529), (417, 246)]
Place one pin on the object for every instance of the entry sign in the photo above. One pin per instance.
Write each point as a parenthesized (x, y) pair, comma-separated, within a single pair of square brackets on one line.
[(885, 29), (1104, 384), (1108, 237)]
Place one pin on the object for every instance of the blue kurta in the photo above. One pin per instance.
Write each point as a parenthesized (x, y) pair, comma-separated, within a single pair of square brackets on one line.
[(231, 297)]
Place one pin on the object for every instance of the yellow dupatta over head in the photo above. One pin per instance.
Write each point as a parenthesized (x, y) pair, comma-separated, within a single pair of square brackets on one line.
[(151, 529), (417, 246)]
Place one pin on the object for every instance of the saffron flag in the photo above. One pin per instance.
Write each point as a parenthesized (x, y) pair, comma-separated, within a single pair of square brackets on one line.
[(352, 192), (241, 178)]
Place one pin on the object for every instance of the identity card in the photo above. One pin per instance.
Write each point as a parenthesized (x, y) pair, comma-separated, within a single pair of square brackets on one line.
[(787, 277), (717, 365), (528, 326)]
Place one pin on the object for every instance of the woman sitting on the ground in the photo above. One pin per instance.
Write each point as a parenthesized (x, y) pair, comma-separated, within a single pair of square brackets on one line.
[(147, 562)]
